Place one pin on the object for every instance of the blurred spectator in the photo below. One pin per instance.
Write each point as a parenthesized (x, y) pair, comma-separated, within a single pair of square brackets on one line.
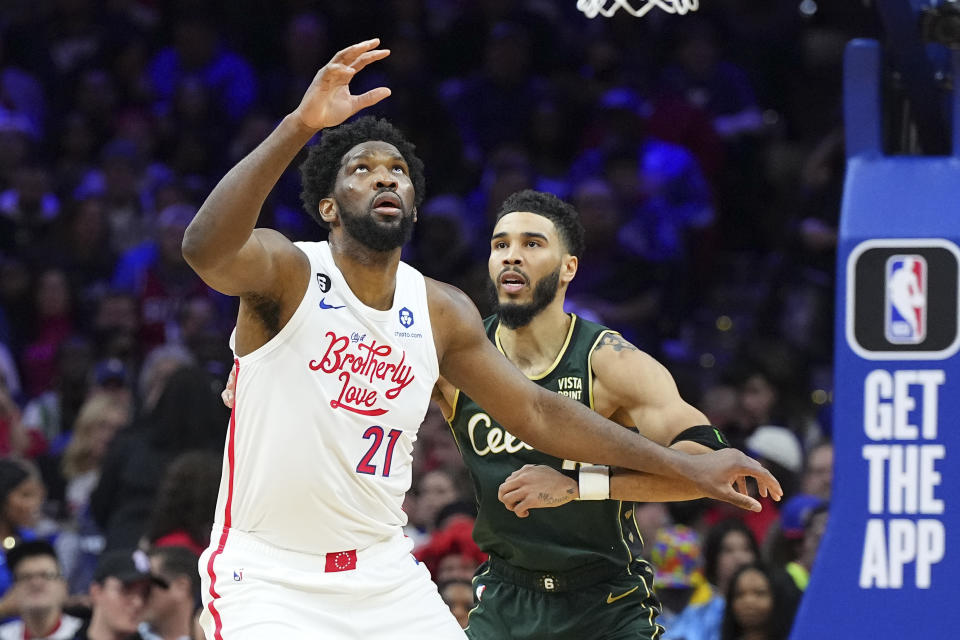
[(119, 594), (760, 605), (306, 48), (117, 182), (818, 472), (157, 274), (81, 542), (21, 93), (21, 496), (452, 536), (458, 594), (53, 322), (676, 558), (9, 376), (701, 74), (188, 415), (778, 449), (82, 250), (30, 210), (483, 104), (444, 240), (607, 285), (175, 594), (650, 517), (814, 525), (728, 545), (157, 368), (456, 566), (116, 326), (13, 436), (186, 500), (41, 592), (51, 414), (435, 490), (198, 53)]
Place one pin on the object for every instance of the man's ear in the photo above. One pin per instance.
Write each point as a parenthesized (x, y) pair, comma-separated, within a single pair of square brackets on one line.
[(414, 214), (568, 269), (329, 212)]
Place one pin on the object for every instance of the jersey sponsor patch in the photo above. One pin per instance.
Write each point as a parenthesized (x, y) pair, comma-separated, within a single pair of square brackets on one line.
[(323, 281)]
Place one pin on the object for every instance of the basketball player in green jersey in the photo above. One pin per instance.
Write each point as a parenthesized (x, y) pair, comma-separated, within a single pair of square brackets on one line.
[(572, 572)]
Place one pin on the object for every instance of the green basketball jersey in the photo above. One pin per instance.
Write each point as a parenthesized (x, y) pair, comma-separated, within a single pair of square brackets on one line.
[(577, 534)]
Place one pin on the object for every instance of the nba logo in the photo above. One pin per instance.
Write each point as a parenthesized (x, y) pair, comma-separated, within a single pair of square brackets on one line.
[(905, 319)]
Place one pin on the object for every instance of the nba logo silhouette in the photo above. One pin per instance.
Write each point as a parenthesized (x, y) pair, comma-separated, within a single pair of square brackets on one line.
[(905, 319)]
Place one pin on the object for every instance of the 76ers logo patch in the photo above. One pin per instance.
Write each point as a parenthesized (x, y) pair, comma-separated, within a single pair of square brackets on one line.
[(359, 366)]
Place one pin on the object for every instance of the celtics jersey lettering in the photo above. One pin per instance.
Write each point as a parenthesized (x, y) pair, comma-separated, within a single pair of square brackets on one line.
[(577, 534)]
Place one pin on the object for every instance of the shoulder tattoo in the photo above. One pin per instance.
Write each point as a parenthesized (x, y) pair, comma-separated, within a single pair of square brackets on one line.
[(615, 342)]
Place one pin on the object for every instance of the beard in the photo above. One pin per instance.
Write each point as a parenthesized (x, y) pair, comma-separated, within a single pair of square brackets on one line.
[(371, 233), (515, 315)]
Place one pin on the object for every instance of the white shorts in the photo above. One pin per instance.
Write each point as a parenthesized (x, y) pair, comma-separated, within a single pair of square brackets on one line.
[(255, 591)]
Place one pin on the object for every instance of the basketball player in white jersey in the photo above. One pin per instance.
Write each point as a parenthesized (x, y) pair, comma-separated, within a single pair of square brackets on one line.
[(338, 346)]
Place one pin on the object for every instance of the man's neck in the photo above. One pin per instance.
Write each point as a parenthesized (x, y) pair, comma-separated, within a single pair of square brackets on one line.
[(371, 275), (535, 346), (41, 623), (99, 630), (173, 626)]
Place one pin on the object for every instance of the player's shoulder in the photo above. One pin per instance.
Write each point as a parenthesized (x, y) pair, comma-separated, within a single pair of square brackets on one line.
[(612, 352)]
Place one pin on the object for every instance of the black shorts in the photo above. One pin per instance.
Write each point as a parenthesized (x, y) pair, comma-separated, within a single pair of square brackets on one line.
[(622, 608)]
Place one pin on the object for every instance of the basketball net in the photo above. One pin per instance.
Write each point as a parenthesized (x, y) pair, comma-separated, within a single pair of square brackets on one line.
[(593, 8)]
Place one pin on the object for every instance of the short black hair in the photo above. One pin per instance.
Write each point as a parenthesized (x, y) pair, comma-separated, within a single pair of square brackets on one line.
[(562, 214), (177, 561), (319, 171), (30, 549)]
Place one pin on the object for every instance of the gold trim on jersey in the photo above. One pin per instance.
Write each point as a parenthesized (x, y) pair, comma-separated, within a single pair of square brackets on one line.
[(453, 416), (453, 406), (563, 349)]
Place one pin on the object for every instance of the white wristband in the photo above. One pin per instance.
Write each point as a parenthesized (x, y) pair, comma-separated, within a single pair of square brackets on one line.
[(594, 481)]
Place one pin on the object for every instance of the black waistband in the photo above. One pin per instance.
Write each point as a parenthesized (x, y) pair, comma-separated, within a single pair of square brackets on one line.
[(554, 581)]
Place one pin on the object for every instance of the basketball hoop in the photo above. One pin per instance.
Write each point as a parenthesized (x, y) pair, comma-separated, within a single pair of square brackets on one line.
[(593, 8)]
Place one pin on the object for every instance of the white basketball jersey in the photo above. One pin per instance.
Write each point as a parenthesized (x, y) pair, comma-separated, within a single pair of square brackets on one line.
[(318, 455)]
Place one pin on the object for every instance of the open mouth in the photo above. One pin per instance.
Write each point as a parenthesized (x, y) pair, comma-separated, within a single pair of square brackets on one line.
[(512, 281), (387, 203)]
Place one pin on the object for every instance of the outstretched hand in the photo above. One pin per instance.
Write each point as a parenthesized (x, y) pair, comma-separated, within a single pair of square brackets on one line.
[(328, 101), (722, 475)]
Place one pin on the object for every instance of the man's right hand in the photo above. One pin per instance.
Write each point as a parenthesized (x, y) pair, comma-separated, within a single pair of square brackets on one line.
[(716, 473), (327, 101)]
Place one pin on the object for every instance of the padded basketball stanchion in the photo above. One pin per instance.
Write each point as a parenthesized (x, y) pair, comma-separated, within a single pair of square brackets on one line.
[(887, 566)]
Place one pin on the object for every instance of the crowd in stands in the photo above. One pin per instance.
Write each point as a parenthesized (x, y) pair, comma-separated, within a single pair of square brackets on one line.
[(704, 153)]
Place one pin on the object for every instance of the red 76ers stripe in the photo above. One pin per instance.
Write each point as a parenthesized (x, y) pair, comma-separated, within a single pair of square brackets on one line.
[(218, 623)]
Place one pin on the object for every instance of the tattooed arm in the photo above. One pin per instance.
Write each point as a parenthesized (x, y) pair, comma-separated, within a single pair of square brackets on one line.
[(633, 389)]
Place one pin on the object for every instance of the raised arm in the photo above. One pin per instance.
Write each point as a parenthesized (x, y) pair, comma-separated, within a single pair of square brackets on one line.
[(555, 424), (221, 244)]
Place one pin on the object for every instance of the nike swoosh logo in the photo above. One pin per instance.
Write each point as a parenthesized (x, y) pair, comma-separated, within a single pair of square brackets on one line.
[(324, 305), (612, 598)]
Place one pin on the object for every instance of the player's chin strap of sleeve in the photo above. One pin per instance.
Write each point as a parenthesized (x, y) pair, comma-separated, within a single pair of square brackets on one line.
[(705, 434)]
